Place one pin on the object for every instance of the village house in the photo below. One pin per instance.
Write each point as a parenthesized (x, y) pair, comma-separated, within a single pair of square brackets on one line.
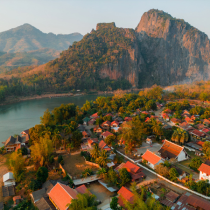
[(189, 201), (165, 116), (149, 141), (125, 195), (106, 125), (94, 116), (127, 119), (206, 122), (205, 130), (12, 143), (175, 121), (167, 111), (97, 129), (151, 159), (170, 199), (204, 172), (171, 150), (115, 129), (189, 120), (102, 145), (200, 126), (85, 134), (25, 132), (8, 179), (182, 174), (134, 170), (106, 134), (115, 124), (61, 195), (92, 121), (85, 120), (197, 134)]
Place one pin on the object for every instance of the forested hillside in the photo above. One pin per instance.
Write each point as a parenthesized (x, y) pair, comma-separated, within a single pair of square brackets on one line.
[(161, 50)]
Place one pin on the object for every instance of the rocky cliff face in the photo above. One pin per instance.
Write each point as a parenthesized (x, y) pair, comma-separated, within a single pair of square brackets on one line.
[(166, 51), (173, 51)]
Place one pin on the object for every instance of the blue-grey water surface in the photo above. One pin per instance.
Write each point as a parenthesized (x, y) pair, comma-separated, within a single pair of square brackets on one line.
[(17, 117)]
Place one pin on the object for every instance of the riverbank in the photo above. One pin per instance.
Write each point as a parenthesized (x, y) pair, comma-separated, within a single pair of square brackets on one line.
[(16, 99)]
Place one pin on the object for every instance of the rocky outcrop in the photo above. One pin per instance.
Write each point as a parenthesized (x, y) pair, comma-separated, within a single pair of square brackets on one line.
[(173, 51), (165, 51)]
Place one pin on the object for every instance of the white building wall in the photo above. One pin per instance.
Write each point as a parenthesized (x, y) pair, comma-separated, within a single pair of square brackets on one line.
[(153, 166), (182, 156), (9, 183), (204, 176)]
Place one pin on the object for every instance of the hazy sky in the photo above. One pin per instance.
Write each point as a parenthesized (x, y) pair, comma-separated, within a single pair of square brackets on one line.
[(68, 16)]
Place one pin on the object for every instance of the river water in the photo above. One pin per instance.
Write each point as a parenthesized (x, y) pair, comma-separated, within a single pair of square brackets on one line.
[(17, 117)]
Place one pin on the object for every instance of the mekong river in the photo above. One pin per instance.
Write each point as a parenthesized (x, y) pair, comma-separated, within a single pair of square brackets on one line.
[(17, 117)]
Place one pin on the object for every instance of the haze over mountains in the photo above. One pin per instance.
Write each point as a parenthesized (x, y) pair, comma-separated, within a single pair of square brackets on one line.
[(161, 50), (40, 47)]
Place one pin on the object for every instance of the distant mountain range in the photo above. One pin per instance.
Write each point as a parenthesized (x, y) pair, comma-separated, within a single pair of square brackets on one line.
[(161, 50), (26, 46), (26, 38)]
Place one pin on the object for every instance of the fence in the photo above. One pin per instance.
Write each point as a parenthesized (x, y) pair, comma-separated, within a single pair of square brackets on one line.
[(158, 175)]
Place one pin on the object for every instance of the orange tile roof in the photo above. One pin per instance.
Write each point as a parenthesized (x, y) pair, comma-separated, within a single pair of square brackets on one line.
[(151, 157), (106, 133), (170, 149), (103, 146), (204, 168), (106, 122), (131, 167), (174, 120), (200, 143), (62, 195), (119, 167), (128, 118), (94, 115), (126, 194), (83, 189), (115, 122)]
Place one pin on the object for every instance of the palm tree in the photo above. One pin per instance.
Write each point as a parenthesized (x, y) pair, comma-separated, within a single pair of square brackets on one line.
[(56, 137), (102, 160), (95, 151), (102, 173)]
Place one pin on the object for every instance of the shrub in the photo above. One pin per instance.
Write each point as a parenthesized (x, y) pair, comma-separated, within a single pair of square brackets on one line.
[(35, 185), (42, 174), (87, 172)]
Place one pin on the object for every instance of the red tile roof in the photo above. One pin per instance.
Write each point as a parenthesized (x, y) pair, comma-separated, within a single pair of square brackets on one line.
[(94, 115), (115, 122), (198, 203), (164, 115), (128, 118), (174, 120), (106, 122), (198, 133), (106, 133), (206, 130), (170, 149), (62, 195), (204, 168), (83, 189), (109, 114), (103, 146), (131, 167), (200, 143), (119, 167), (167, 111), (126, 194), (151, 157), (187, 119), (206, 121)]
